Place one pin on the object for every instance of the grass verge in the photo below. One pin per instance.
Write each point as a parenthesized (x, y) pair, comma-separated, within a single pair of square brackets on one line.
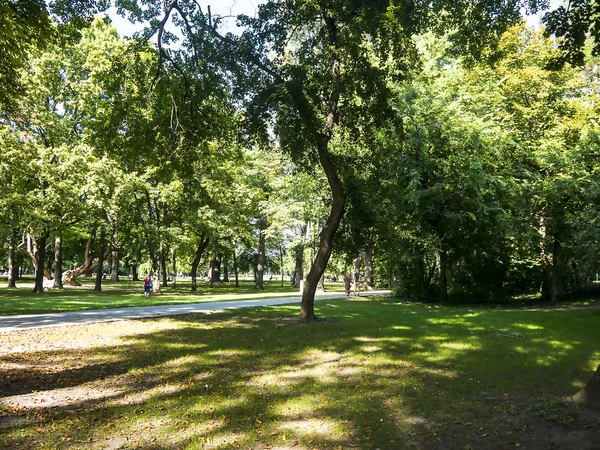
[(372, 374)]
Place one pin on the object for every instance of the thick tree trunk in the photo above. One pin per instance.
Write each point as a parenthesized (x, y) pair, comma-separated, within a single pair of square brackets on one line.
[(135, 276), (100, 269), (590, 394), (39, 272), (260, 261), (368, 260), (443, 276), (235, 269), (12, 272), (58, 272), (202, 244), (215, 270), (30, 248), (155, 262)]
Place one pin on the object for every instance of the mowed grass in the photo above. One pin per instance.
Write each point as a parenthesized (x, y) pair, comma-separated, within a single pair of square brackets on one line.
[(126, 294), (373, 374)]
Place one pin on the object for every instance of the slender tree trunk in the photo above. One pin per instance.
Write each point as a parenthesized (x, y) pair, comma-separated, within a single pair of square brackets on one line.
[(163, 266), (114, 267), (590, 394), (100, 269), (155, 261), (555, 271), (225, 271), (41, 259), (215, 270), (174, 284), (281, 263), (58, 272), (260, 261), (307, 309), (443, 276), (12, 272), (299, 268), (368, 260), (235, 269), (202, 244)]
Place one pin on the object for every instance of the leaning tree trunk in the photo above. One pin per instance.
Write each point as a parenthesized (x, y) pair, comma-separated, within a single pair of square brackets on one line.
[(590, 394), (58, 272), (307, 308), (12, 272), (260, 261), (368, 260), (70, 276), (202, 244), (39, 272), (100, 269)]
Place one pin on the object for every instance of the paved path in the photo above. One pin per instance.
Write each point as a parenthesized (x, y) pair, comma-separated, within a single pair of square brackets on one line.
[(23, 322)]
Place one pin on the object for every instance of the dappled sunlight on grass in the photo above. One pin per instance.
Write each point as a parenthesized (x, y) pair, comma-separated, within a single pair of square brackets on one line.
[(374, 374)]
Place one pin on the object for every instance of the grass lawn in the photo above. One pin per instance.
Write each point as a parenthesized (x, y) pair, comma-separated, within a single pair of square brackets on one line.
[(126, 293), (372, 374)]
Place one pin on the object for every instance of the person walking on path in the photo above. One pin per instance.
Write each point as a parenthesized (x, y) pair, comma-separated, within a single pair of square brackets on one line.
[(357, 283), (147, 286), (347, 280)]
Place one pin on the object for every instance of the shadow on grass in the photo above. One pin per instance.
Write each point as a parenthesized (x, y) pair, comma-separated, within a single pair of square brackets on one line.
[(373, 375)]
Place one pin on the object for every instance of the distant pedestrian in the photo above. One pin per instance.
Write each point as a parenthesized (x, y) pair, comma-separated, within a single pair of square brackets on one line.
[(147, 286), (357, 283), (347, 280)]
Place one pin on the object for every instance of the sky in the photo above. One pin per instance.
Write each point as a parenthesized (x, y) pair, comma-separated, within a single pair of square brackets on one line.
[(217, 7)]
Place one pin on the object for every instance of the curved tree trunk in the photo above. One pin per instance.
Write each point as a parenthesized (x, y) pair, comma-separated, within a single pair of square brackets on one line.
[(70, 276), (202, 244), (590, 394), (58, 272)]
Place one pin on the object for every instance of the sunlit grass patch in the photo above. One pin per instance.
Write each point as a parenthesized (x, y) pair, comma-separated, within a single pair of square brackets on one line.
[(373, 374)]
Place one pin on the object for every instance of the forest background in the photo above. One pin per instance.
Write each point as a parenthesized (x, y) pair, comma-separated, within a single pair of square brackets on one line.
[(457, 158)]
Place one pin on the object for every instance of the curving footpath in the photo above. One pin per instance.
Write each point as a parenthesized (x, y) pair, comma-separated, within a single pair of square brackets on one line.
[(23, 322)]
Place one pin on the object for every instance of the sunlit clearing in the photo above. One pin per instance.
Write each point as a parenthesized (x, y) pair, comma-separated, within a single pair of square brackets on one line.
[(400, 327), (323, 427), (529, 326)]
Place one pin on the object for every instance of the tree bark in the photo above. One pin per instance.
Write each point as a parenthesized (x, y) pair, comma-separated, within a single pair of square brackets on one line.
[(555, 271), (443, 276), (114, 266), (260, 261), (281, 252), (70, 276), (135, 276), (41, 259), (202, 244), (215, 270), (31, 247), (235, 270), (299, 268), (368, 260), (100, 269), (590, 395), (163, 267), (12, 272), (58, 272), (225, 271), (174, 284)]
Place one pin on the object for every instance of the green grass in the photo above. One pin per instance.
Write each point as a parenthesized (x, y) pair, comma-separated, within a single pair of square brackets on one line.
[(126, 294), (373, 374)]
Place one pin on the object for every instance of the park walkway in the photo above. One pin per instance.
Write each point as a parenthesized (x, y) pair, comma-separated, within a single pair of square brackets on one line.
[(23, 322)]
